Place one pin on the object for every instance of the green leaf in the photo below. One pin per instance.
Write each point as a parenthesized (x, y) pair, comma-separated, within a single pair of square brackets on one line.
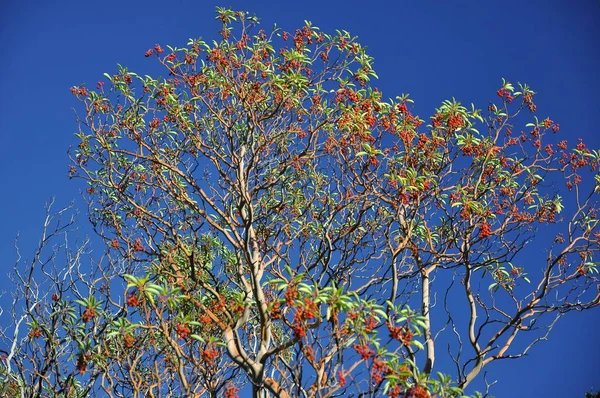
[(417, 344), (381, 313), (420, 323)]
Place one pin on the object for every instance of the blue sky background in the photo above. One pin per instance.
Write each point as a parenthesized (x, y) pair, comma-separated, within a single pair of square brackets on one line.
[(433, 50)]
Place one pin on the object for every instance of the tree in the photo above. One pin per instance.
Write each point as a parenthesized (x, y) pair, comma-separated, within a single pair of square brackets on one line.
[(274, 224)]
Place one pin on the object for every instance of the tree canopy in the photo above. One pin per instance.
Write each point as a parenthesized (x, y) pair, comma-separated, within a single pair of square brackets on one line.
[(274, 224)]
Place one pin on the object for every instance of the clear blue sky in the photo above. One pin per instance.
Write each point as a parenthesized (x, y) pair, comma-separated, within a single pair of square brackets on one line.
[(431, 49)]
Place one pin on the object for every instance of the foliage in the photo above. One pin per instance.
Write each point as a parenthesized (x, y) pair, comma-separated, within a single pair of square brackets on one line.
[(281, 227)]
